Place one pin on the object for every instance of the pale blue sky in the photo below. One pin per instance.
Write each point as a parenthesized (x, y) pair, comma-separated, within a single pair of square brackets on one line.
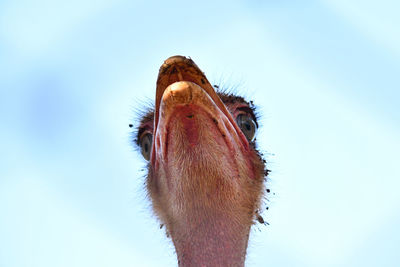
[(324, 73)]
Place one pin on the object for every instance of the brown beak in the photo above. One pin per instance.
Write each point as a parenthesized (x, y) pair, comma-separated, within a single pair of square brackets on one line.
[(180, 68)]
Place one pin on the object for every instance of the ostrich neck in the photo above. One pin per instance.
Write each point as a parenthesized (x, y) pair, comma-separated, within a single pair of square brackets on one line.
[(210, 239)]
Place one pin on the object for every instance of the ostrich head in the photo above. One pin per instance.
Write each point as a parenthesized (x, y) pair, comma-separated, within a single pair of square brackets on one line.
[(205, 176)]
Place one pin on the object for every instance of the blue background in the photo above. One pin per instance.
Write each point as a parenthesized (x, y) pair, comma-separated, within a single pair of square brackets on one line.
[(324, 73)]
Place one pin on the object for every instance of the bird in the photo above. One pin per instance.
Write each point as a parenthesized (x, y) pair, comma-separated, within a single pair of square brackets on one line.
[(205, 178)]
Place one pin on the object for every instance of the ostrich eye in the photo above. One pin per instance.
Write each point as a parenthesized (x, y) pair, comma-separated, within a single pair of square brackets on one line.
[(247, 125), (145, 143)]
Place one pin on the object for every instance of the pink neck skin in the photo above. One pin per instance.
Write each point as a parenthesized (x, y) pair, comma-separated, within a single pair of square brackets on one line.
[(212, 242)]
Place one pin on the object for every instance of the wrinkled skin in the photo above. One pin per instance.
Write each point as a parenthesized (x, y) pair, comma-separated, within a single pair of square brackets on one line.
[(205, 177)]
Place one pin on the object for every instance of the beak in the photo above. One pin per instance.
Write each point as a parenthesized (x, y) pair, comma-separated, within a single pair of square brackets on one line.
[(179, 68)]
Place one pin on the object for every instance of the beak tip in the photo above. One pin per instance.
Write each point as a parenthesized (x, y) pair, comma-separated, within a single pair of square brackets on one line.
[(177, 61)]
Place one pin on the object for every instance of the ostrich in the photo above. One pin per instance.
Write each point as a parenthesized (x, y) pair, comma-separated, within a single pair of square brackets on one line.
[(205, 176)]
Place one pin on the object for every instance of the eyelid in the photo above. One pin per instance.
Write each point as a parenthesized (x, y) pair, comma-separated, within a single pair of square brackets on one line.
[(247, 111), (144, 132), (143, 129)]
